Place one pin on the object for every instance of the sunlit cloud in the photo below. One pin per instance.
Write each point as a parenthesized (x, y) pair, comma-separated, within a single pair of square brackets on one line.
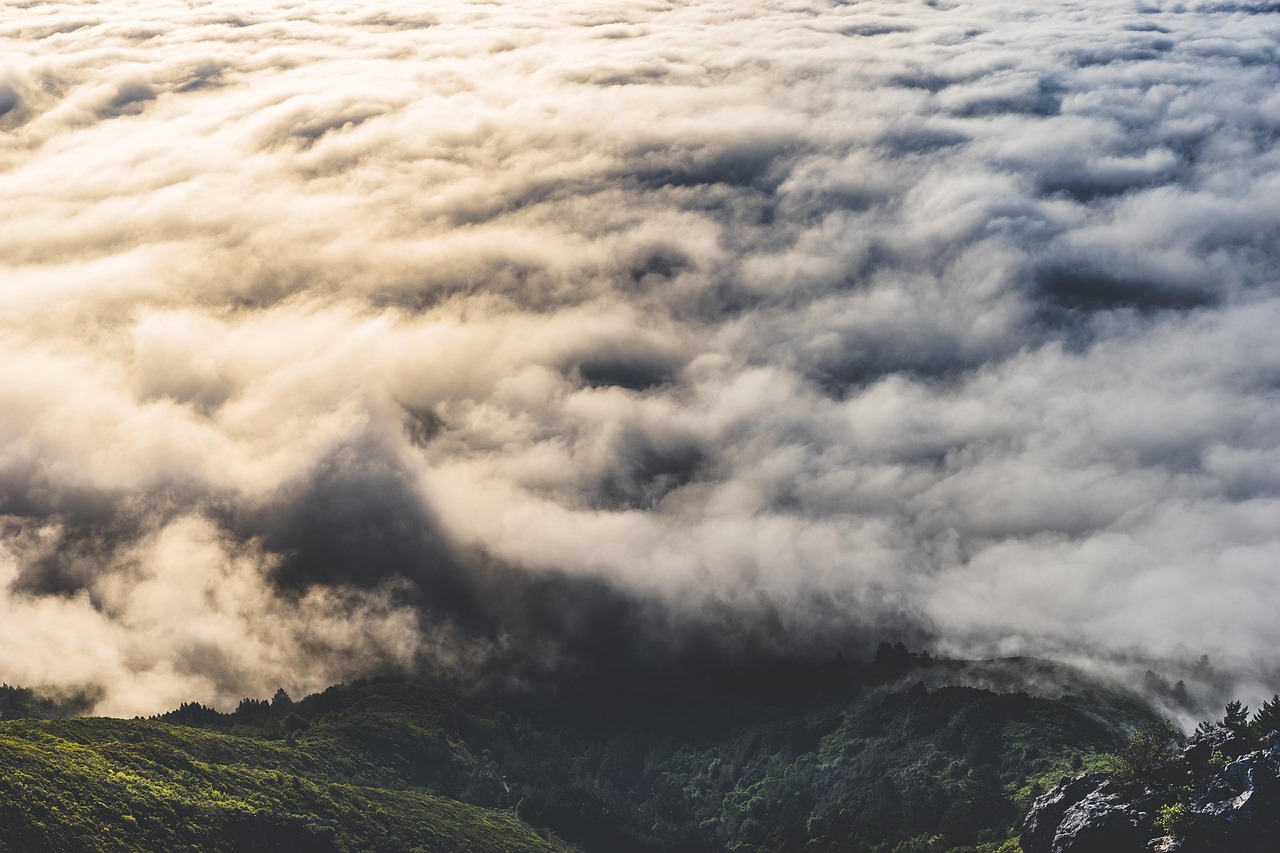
[(334, 335)]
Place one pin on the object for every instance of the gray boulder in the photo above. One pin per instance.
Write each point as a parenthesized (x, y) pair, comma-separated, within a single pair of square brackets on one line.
[(1087, 814), (1201, 746), (1041, 823), (1102, 823), (1241, 806)]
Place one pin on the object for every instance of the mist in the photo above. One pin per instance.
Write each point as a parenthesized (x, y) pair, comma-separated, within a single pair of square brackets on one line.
[(505, 338)]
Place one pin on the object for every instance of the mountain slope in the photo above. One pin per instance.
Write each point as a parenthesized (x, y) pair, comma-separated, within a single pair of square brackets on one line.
[(847, 757), (118, 785)]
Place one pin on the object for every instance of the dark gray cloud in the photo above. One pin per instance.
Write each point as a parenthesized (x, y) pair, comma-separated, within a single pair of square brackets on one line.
[(526, 338)]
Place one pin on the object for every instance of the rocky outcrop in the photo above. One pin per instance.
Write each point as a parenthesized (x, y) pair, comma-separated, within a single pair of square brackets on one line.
[(1202, 746), (1241, 806), (1101, 823), (1042, 822), (1235, 807), (1088, 814)]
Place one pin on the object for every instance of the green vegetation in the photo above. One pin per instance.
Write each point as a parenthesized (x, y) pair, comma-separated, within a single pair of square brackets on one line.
[(1150, 758), (1173, 819), (1267, 718), (839, 757), (120, 785)]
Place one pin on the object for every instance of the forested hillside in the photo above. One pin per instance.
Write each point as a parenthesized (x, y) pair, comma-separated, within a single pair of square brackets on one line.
[(122, 785), (834, 757)]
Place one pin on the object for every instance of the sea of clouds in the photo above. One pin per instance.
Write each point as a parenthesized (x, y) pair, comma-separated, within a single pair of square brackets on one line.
[(338, 336)]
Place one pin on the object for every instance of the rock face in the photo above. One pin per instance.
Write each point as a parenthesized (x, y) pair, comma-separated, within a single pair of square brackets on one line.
[(1088, 815), (1101, 823), (1235, 808), (1202, 746), (1041, 824), (1241, 805)]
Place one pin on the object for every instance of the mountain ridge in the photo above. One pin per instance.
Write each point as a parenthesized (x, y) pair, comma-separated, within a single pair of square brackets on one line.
[(836, 756)]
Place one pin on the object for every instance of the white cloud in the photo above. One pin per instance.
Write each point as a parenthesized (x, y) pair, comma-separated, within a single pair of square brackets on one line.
[(959, 316)]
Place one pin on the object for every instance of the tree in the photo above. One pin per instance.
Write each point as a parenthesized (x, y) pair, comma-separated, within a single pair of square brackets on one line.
[(1236, 719), (1150, 758), (1267, 718), (292, 723)]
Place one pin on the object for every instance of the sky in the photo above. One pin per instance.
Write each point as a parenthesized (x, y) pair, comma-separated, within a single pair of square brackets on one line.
[(506, 337)]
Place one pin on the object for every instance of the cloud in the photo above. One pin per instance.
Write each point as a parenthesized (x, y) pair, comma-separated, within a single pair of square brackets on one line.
[(182, 611), (514, 339)]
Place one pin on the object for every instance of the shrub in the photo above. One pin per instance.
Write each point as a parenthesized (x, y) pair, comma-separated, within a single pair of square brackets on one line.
[(1150, 758), (1173, 819)]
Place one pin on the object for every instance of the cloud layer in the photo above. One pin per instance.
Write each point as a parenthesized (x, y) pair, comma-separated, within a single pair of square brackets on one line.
[(344, 336)]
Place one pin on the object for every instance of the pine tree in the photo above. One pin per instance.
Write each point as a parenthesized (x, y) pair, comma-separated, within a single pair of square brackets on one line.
[(1267, 718), (1236, 719)]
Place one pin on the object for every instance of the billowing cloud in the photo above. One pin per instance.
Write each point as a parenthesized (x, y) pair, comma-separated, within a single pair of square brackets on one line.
[(337, 337)]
